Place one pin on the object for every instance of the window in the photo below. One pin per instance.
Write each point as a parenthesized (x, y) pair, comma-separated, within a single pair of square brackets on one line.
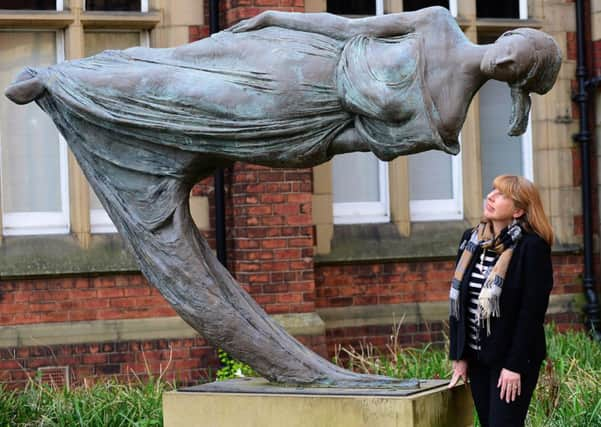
[(508, 9), (117, 5), (435, 186), (31, 4), (409, 5), (360, 188), (352, 7), (501, 153), (33, 155), (95, 42)]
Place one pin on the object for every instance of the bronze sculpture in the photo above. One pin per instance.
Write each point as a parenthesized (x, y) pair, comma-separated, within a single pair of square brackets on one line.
[(281, 90)]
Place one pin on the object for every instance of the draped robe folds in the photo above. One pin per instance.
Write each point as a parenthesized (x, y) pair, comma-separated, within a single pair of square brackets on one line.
[(146, 124)]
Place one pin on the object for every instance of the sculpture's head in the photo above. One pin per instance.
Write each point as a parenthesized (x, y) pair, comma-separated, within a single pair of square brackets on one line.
[(529, 61)]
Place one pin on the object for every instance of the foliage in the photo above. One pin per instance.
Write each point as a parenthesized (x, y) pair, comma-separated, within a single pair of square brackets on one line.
[(569, 387), (232, 368), (568, 393), (396, 361), (104, 404)]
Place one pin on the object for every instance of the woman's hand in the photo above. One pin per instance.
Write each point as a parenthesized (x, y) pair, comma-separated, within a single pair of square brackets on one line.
[(511, 385), (255, 23), (459, 371)]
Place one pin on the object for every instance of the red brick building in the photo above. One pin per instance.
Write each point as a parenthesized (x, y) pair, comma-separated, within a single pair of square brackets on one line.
[(335, 268)]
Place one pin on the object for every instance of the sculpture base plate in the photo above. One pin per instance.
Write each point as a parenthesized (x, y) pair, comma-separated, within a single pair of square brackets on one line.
[(257, 403)]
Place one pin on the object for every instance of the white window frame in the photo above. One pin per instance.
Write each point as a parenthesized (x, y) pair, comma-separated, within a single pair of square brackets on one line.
[(367, 212), (523, 9), (143, 6), (442, 209), (100, 222), (30, 223), (453, 7)]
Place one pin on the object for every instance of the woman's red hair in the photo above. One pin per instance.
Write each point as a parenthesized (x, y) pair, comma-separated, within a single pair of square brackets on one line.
[(525, 196)]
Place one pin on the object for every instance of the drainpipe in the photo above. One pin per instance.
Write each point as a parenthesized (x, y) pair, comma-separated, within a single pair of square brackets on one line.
[(219, 176), (583, 137)]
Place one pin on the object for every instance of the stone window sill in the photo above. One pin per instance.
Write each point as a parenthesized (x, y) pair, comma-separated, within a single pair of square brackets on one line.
[(33, 256), (362, 243)]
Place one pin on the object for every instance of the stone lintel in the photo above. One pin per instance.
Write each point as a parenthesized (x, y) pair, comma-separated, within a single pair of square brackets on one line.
[(118, 20), (35, 19), (418, 312), (131, 330)]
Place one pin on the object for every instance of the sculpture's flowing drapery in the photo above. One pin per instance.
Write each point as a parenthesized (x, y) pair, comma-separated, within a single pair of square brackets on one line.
[(146, 124)]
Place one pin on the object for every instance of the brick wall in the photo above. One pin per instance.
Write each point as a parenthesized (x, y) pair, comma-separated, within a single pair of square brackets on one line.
[(406, 282), (236, 10), (400, 282), (185, 361), (272, 235), (73, 299)]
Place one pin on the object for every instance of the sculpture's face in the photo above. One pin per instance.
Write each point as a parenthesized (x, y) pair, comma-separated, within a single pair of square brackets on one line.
[(508, 59)]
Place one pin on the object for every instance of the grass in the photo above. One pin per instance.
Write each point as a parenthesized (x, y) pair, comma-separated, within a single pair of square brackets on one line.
[(568, 392), (104, 404)]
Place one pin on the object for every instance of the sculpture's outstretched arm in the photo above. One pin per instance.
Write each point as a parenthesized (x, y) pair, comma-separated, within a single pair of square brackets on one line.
[(333, 26)]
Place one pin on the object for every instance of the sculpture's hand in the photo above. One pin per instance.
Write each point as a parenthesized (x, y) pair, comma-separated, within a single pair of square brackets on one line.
[(251, 24)]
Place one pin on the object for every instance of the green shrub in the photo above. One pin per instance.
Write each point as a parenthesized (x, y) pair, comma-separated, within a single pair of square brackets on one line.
[(232, 368)]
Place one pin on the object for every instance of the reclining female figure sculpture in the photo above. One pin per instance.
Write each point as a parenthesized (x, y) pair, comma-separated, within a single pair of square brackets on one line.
[(281, 90)]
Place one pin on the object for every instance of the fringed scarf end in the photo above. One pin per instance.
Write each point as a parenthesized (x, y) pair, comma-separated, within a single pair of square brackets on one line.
[(454, 300)]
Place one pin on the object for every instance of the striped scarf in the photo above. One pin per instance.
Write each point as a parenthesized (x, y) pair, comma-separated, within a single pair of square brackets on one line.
[(488, 301)]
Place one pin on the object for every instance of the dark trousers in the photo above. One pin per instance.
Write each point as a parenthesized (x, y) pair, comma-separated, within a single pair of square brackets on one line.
[(492, 411)]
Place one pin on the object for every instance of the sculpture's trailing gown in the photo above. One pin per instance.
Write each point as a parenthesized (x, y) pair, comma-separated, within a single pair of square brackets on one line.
[(146, 124)]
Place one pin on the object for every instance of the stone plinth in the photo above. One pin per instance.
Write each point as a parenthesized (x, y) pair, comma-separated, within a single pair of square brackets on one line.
[(255, 403)]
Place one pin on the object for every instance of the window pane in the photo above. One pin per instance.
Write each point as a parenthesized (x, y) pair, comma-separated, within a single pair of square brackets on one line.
[(119, 5), (500, 152), (430, 176), (352, 7), (409, 5), (29, 141), (96, 42), (28, 4), (498, 9), (356, 178)]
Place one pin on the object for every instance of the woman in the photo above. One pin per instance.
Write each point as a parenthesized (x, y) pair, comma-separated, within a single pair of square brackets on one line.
[(499, 296)]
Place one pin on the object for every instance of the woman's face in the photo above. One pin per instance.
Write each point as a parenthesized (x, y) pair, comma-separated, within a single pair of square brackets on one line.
[(500, 208), (508, 59)]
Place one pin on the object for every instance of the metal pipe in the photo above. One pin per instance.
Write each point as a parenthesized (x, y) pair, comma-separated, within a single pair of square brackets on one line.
[(583, 137), (219, 176)]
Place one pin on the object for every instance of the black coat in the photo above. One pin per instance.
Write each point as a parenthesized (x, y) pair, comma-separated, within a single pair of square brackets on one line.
[(517, 338)]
